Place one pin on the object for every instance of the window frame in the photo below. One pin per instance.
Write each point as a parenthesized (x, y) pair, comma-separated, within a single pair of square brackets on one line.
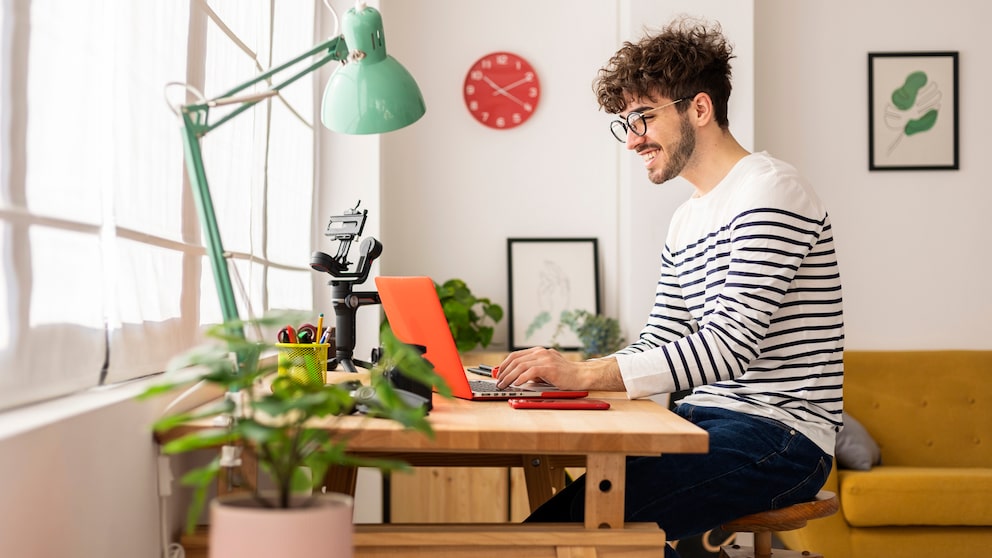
[(17, 219)]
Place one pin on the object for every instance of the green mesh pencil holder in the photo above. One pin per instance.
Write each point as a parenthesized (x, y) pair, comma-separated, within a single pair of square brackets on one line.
[(304, 362)]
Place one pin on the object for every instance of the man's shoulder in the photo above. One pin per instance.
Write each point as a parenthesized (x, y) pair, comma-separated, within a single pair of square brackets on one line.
[(770, 183), (764, 161)]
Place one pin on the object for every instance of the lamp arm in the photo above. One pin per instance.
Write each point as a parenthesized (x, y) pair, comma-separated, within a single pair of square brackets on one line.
[(336, 48), (194, 117), (208, 221)]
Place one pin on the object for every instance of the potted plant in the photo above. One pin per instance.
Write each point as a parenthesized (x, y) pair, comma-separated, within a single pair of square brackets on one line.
[(271, 414), (470, 318), (599, 335)]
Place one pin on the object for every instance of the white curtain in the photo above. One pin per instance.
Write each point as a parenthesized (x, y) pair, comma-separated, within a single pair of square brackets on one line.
[(104, 275)]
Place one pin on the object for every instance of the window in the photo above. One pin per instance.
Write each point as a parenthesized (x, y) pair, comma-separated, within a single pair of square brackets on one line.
[(104, 274)]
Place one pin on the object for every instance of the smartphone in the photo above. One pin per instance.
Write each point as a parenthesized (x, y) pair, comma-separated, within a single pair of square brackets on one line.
[(574, 404)]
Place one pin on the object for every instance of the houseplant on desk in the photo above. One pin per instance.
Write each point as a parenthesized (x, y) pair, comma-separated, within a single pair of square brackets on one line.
[(599, 335), (471, 318), (273, 416)]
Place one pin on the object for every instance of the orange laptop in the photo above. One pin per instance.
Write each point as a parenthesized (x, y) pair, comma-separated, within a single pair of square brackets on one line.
[(416, 317)]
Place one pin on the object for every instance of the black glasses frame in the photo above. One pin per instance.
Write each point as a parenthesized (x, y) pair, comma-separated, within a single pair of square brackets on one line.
[(636, 123)]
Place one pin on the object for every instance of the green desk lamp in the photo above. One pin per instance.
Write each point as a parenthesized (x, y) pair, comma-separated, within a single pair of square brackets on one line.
[(371, 93)]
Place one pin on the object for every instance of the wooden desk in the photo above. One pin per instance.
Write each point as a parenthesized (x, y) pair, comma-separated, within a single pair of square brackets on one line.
[(493, 434), (474, 433)]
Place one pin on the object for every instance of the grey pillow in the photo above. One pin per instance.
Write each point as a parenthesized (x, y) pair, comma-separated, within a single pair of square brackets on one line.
[(856, 449)]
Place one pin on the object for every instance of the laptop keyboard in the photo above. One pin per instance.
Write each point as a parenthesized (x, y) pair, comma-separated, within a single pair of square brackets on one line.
[(485, 386)]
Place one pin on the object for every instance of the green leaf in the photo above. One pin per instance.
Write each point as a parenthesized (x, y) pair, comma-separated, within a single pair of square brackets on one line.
[(257, 432), (335, 454), (410, 363), (395, 408), (201, 479), (275, 405), (467, 340), (905, 97), (537, 323), (219, 407), (466, 314), (456, 312), (302, 481), (485, 335), (494, 312), (202, 476), (921, 124), (201, 439)]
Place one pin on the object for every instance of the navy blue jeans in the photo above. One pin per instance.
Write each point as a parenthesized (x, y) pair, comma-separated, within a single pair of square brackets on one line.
[(753, 464)]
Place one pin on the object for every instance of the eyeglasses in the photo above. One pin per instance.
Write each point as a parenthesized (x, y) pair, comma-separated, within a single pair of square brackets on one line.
[(636, 122)]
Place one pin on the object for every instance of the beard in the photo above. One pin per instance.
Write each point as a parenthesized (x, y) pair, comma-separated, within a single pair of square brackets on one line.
[(679, 158)]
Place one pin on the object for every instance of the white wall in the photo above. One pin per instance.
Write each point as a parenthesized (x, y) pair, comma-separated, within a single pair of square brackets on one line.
[(86, 485), (454, 190), (913, 246)]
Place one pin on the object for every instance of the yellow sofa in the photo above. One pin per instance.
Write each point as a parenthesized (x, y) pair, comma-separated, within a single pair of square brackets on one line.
[(930, 413)]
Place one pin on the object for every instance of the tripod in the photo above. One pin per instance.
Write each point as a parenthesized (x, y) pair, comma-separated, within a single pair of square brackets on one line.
[(346, 302)]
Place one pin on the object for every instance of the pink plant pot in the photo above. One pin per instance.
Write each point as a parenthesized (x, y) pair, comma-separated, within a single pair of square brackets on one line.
[(242, 528)]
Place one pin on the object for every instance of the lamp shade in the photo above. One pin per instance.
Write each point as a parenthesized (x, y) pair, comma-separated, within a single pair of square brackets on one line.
[(372, 93)]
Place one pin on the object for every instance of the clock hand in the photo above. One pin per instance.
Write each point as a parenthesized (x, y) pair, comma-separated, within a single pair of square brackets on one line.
[(499, 90), (496, 89), (516, 100), (527, 79)]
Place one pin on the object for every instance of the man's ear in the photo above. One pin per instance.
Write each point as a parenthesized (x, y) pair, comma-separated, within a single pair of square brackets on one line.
[(701, 109)]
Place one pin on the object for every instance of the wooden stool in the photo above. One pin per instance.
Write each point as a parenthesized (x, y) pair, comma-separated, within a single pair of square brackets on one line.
[(786, 519)]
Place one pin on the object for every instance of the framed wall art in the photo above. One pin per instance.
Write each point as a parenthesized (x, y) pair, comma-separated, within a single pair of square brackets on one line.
[(912, 111), (549, 276)]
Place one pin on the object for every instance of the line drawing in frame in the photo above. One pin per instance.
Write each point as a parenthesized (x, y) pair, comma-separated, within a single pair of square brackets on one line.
[(549, 275), (913, 110)]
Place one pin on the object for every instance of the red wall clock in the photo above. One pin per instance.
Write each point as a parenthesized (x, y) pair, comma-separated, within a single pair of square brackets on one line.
[(501, 90)]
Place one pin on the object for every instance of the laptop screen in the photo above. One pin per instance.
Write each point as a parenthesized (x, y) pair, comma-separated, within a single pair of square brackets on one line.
[(416, 318)]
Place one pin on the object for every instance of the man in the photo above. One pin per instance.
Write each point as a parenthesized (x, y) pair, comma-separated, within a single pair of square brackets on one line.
[(747, 313)]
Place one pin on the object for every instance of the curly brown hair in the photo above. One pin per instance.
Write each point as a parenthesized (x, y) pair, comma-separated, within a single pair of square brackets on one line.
[(686, 57)]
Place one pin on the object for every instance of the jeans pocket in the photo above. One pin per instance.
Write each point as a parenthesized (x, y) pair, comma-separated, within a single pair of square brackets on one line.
[(806, 489)]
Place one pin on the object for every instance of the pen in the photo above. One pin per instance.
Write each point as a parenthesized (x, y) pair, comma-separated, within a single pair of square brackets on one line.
[(485, 370), (320, 328)]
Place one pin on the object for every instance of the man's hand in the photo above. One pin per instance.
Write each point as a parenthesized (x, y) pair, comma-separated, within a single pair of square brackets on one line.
[(538, 364)]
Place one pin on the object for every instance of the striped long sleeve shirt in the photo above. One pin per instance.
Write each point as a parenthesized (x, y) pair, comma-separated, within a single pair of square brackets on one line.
[(748, 311)]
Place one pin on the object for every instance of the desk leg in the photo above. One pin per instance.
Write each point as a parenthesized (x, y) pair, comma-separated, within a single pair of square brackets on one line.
[(605, 478), (543, 480), (341, 479), (240, 479)]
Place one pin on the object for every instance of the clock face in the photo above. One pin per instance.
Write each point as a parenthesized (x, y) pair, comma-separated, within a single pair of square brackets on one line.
[(501, 90)]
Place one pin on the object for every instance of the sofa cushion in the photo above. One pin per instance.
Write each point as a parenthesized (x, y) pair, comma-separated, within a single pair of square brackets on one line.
[(917, 496), (855, 448), (924, 408)]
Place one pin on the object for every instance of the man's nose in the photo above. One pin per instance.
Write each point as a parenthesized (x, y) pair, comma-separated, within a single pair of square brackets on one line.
[(634, 140)]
